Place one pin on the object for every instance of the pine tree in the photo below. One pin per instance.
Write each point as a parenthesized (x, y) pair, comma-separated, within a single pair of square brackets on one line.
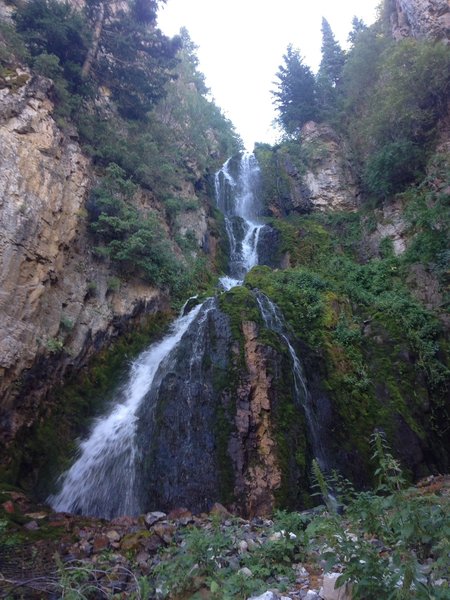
[(330, 70), (358, 26), (295, 96)]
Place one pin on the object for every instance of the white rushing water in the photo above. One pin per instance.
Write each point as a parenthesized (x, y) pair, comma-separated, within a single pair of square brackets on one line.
[(237, 198), (102, 481)]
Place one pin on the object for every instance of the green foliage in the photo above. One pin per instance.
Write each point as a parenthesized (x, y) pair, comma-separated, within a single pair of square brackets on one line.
[(321, 485), (361, 72), (12, 46), (427, 210), (295, 93), (137, 67), (387, 97), (207, 559), (383, 353), (113, 284), (394, 166), (412, 91), (385, 539), (66, 323), (54, 345), (137, 63), (330, 70), (55, 28), (398, 122), (135, 242), (297, 292)]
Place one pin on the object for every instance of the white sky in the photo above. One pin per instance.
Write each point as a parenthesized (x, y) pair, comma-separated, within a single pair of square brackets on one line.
[(242, 42)]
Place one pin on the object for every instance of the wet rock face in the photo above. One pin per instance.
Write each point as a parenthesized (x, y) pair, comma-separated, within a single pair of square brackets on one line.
[(300, 199), (421, 19), (178, 419), (193, 418), (268, 247), (329, 179)]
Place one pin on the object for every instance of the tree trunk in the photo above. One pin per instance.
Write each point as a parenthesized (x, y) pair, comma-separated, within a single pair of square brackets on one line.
[(92, 52)]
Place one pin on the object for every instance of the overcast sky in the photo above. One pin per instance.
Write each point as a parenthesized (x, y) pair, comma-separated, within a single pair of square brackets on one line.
[(242, 42)]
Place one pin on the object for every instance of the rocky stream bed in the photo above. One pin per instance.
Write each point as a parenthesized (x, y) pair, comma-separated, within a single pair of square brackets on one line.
[(45, 554)]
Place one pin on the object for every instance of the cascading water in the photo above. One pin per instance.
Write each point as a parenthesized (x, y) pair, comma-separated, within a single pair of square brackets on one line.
[(274, 321), (237, 198), (102, 481), (157, 446)]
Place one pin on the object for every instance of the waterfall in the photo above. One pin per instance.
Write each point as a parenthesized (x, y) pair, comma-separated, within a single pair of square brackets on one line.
[(102, 481), (157, 444), (274, 321), (237, 198)]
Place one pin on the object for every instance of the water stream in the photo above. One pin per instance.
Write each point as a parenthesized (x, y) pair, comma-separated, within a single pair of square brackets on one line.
[(102, 481), (106, 478), (237, 198), (274, 321)]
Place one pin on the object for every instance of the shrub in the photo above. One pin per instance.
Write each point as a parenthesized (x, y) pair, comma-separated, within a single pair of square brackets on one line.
[(385, 539), (395, 165)]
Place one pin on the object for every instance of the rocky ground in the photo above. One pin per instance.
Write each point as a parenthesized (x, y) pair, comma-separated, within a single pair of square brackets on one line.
[(39, 546), (44, 554)]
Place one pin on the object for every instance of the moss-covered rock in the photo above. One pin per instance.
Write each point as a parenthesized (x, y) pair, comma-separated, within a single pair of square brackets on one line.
[(46, 450)]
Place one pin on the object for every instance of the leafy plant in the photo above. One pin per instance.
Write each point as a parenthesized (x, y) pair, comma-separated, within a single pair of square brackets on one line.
[(384, 540), (135, 242), (54, 345)]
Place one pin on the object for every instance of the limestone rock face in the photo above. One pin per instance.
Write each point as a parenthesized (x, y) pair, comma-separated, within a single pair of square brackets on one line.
[(391, 224), (421, 19), (329, 180), (56, 304)]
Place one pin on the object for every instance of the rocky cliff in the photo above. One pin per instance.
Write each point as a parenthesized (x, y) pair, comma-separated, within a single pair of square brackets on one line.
[(57, 299), (422, 19), (329, 179)]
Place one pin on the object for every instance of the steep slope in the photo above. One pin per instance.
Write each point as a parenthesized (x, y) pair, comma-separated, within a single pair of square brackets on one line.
[(62, 300)]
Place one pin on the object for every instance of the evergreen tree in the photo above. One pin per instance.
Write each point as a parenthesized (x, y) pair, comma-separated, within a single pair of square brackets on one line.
[(358, 26), (137, 62), (136, 58), (330, 70), (54, 28), (295, 97)]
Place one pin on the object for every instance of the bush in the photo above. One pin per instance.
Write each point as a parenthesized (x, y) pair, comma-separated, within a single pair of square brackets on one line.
[(55, 28), (386, 538), (12, 47), (134, 241), (393, 167)]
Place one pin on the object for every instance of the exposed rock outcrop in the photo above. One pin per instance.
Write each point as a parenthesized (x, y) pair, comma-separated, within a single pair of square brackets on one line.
[(390, 224), (253, 447), (56, 299), (422, 19), (177, 427), (194, 432), (329, 179)]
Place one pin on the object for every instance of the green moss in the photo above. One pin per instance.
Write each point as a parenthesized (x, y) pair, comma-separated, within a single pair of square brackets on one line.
[(240, 305), (293, 454), (381, 353), (46, 449)]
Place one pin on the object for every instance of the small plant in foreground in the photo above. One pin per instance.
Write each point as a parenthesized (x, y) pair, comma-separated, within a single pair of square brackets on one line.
[(392, 543)]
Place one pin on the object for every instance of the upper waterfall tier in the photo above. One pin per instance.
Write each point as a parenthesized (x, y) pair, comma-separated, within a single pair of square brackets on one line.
[(237, 195)]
